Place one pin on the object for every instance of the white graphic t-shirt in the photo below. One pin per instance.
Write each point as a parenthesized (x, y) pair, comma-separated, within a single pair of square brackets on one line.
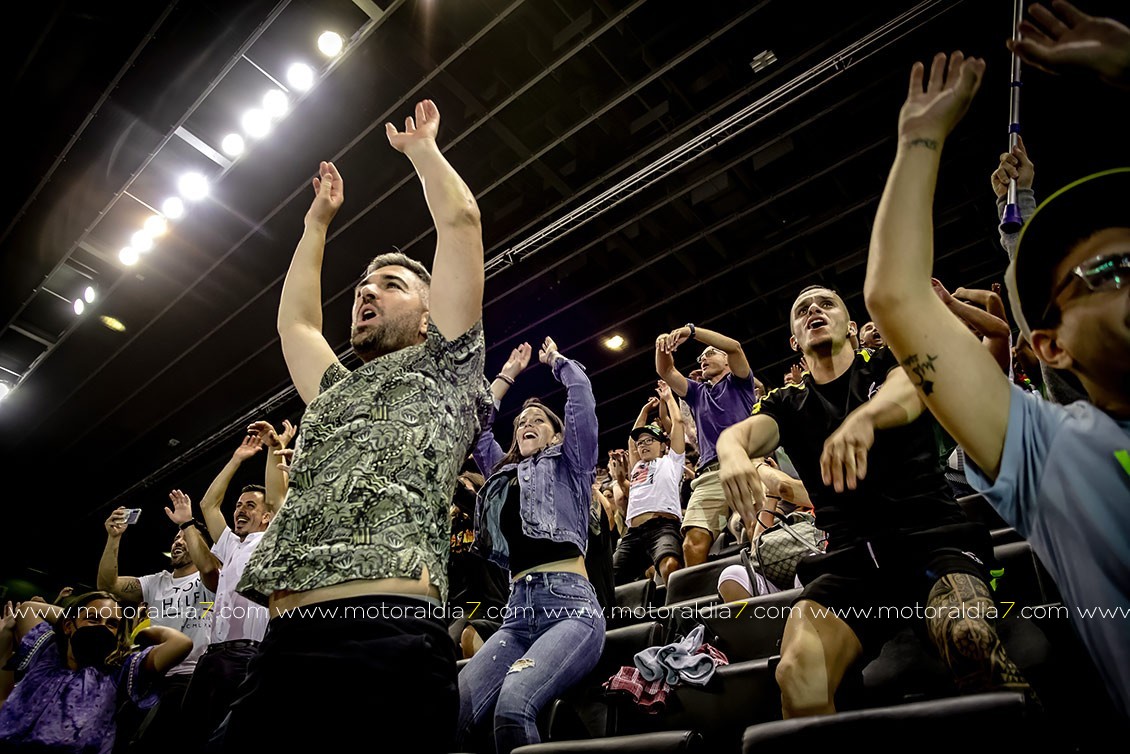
[(181, 603), (655, 486)]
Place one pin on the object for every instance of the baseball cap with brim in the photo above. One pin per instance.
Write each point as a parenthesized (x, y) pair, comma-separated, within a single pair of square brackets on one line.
[(650, 429), (1071, 215)]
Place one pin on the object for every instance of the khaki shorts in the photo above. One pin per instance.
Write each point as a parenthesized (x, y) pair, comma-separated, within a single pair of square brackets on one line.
[(707, 507)]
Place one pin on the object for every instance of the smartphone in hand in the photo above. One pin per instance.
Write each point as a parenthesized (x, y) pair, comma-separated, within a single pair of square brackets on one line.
[(132, 514)]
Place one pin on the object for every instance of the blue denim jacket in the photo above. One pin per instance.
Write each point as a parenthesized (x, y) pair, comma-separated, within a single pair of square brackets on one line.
[(556, 483)]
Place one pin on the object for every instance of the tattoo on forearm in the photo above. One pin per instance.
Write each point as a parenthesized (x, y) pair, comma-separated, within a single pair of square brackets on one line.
[(918, 369), (131, 586), (959, 627), (928, 143)]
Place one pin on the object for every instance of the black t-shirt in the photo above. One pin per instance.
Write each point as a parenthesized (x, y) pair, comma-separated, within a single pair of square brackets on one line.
[(905, 489), (528, 552)]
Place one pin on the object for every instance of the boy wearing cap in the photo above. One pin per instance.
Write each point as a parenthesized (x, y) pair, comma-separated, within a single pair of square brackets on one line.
[(654, 512), (1060, 475)]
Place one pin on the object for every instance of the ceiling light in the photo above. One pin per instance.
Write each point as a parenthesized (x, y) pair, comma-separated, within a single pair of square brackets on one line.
[(615, 342), (89, 294), (762, 60), (80, 306), (128, 256), (141, 241), (300, 76), (155, 226), (275, 103), (112, 323), (232, 145), (173, 208), (193, 186), (330, 43), (256, 123), (5, 388)]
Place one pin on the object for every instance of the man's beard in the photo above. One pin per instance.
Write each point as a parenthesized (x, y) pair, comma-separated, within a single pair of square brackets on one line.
[(384, 337)]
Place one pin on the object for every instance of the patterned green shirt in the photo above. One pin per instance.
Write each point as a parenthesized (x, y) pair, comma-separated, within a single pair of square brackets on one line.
[(374, 470)]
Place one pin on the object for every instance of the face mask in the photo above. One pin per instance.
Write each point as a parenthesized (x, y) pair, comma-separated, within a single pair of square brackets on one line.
[(91, 645)]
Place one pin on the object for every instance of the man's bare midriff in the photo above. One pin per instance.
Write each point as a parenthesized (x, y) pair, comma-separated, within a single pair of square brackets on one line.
[(645, 517), (421, 587)]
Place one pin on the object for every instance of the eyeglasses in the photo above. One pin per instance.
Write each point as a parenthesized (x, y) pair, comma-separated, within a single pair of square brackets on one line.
[(1107, 272), (645, 440)]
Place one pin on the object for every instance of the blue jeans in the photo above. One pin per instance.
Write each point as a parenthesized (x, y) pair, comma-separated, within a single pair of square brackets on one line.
[(551, 637)]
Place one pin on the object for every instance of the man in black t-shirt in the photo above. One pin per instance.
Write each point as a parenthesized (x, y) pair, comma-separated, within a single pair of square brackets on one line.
[(855, 430)]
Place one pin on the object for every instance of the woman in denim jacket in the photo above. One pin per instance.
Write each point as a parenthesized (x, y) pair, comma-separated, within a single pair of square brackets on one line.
[(532, 518)]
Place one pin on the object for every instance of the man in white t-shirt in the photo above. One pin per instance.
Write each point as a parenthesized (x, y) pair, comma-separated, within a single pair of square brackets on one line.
[(175, 599), (654, 511), (238, 624)]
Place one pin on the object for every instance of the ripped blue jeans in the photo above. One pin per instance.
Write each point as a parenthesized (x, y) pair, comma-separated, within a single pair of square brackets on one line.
[(551, 637)]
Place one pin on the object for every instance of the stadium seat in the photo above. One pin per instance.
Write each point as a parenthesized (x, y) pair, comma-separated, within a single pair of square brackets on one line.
[(666, 742), (970, 724), (749, 629), (697, 581)]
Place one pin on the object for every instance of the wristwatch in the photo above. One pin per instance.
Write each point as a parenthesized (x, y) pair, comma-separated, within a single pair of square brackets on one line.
[(190, 522), (690, 326)]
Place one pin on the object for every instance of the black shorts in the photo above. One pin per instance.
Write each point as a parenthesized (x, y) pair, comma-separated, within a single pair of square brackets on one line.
[(644, 545), (895, 574)]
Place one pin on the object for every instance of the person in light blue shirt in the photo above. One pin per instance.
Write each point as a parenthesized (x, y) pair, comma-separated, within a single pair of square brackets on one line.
[(1059, 474)]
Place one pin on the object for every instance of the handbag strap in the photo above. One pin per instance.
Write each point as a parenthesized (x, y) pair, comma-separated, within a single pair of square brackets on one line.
[(785, 525)]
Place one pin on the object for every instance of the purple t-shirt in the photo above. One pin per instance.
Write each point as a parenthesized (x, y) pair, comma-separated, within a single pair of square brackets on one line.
[(69, 710), (716, 407)]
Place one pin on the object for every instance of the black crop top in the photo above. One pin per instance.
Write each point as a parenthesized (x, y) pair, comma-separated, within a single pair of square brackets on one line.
[(528, 552)]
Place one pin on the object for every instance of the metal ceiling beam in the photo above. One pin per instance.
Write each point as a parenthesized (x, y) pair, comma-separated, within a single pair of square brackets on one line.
[(723, 132)]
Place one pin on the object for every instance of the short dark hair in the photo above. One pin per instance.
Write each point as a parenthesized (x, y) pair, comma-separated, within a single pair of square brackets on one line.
[(821, 288), (399, 259), (254, 488)]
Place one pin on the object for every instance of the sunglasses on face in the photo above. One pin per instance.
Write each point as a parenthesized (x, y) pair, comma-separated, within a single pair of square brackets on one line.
[(1102, 273)]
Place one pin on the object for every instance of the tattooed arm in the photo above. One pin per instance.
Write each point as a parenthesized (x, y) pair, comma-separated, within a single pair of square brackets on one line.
[(958, 379)]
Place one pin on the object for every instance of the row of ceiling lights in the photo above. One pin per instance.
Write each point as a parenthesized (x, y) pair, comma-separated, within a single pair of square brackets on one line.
[(256, 124), (193, 187)]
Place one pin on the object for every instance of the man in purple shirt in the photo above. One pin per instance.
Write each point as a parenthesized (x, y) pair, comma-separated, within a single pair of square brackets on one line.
[(724, 397)]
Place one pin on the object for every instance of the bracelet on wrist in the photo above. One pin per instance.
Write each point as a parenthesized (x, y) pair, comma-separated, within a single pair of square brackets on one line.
[(190, 522), (508, 380), (690, 326)]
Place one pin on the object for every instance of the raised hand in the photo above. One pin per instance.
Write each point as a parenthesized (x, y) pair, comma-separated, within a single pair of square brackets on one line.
[(518, 361), (266, 435), (249, 447), (927, 117), (796, 373), (695, 375), (618, 464), (1014, 166), (116, 523), (548, 352), (181, 510), (651, 405), (664, 391), (329, 193), (940, 291), (676, 338), (1066, 39), (417, 131)]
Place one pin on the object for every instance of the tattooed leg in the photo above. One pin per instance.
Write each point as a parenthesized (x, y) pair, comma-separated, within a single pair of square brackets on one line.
[(958, 612)]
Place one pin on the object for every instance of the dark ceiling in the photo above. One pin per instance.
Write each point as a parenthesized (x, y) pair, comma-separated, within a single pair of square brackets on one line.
[(546, 106)]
